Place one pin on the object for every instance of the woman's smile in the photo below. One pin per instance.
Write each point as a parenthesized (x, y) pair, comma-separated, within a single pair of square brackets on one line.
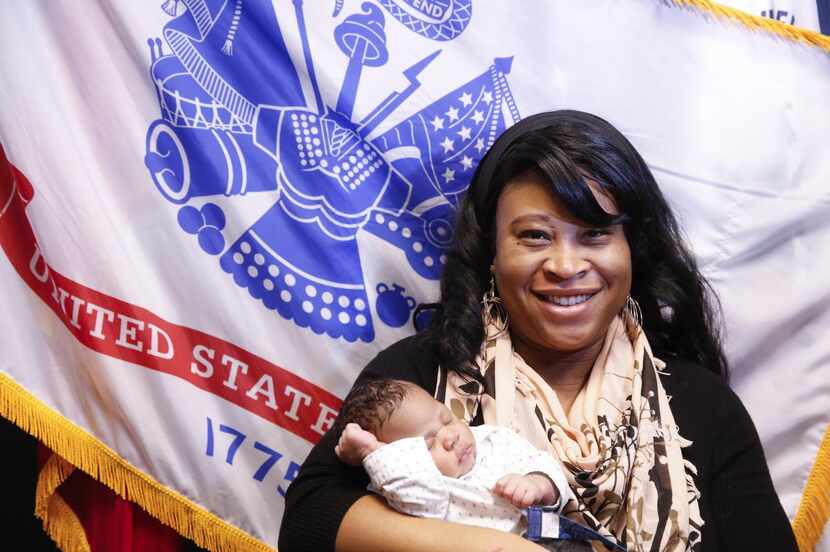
[(565, 307), (564, 300)]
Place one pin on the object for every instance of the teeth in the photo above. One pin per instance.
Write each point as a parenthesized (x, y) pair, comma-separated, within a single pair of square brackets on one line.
[(568, 301)]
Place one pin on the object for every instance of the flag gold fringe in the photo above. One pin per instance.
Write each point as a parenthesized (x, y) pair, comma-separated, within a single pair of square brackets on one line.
[(761, 23), (64, 527), (59, 520), (814, 508), (78, 448)]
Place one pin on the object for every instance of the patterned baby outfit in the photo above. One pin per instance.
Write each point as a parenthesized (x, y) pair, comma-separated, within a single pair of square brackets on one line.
[(405, 475)]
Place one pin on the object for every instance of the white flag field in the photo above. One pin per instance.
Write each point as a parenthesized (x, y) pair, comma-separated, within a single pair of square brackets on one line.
[(215, 212)]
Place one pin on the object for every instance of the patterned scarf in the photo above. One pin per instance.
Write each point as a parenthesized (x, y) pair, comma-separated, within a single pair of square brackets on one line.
[(619, 445)]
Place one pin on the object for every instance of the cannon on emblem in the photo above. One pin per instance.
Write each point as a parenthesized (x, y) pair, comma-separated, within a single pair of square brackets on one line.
[(192, 162), (198, 147)]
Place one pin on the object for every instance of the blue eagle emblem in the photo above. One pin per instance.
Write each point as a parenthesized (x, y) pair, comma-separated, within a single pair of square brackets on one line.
[(235, 121)]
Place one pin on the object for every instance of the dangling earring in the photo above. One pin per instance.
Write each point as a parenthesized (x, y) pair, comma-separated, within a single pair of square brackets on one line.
[(493, 312), (632, 313)]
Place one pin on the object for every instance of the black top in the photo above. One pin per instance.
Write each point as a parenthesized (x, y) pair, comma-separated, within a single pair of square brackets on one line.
[(738, 502)]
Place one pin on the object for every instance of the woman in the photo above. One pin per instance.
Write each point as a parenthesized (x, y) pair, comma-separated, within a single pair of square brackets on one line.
[(579, 260)]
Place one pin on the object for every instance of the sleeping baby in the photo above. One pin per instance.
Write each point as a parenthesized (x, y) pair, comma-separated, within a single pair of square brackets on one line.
[(426, 462)]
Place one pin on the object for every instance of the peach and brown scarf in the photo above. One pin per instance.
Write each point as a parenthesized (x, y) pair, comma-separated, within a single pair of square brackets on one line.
[(619, 444)]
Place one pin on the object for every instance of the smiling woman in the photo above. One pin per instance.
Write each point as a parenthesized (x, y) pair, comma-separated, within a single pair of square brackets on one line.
[(562, 281), (571, 311)]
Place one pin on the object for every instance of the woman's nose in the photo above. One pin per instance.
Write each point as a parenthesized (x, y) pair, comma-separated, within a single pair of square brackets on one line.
[(565, 261)]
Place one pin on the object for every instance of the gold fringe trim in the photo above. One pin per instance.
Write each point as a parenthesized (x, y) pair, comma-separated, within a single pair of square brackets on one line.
[(64, 527), (814, 508), (59, 520), (51, 476), (92, 456), (756, 22)]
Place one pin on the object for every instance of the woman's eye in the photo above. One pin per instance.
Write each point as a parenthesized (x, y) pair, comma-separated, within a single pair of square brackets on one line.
[(534, 235), (595, 233)]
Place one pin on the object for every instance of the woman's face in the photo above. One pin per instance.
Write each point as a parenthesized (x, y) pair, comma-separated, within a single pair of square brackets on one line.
[(562, 282)]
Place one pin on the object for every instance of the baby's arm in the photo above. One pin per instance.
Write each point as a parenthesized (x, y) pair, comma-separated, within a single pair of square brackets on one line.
[(527, 490), (540, 478), (404, 473)]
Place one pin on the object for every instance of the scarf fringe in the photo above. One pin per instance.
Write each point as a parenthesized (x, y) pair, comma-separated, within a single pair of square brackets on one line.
[(814, 508), (76, 447), (756, 22)]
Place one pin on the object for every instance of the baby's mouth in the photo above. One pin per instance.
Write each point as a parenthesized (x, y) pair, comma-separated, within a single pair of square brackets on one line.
[(465, 452)]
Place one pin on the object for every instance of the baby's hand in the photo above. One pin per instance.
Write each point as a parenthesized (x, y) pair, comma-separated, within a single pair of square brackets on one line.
[(526, 490), (355, 444)]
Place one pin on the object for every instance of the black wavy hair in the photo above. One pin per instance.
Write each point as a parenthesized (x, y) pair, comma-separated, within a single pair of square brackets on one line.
[(681, 313), (371, 403)]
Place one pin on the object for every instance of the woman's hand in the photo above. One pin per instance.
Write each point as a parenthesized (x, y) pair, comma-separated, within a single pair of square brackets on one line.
[(526, 490), (355, 444)]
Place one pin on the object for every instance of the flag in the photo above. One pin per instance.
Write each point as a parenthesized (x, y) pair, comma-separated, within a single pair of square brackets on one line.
[(213, 213)]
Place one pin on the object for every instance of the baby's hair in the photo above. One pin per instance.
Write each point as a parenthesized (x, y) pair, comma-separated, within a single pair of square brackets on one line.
[(370, 403)]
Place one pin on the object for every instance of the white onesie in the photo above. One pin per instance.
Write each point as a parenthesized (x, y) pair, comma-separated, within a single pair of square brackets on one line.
[(405, 475)]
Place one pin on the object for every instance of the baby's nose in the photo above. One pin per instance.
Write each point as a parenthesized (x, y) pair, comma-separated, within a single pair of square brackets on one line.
[(450, 439)]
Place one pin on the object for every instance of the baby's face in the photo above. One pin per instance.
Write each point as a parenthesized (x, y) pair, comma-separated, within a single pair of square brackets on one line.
[(449, 440)]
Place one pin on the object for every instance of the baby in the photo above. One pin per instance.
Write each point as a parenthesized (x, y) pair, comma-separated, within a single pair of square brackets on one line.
[(426, 462)]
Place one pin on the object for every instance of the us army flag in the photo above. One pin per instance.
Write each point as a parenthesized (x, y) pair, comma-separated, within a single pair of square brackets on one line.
[(215, 212)]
